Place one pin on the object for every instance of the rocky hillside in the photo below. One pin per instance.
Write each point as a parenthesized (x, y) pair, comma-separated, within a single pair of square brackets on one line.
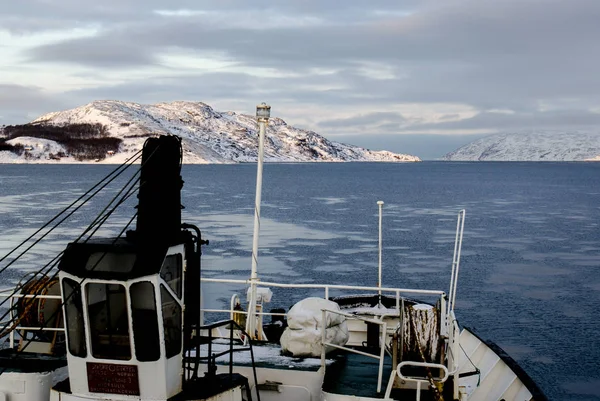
[(208, 136), (534, 146)]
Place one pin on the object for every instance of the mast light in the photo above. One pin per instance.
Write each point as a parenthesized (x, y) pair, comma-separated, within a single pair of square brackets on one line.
[(263, 112)]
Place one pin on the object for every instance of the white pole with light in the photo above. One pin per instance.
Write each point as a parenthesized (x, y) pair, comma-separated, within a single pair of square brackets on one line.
[(263, 112), (380, 204)]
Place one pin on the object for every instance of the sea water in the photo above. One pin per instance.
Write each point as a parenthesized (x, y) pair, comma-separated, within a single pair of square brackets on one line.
[(530, 270)]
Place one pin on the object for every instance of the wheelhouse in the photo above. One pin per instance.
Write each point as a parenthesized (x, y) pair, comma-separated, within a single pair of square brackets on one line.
[(124, 333)]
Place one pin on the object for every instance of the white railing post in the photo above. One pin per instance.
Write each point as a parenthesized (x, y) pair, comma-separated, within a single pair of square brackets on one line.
[(380, 204), (459, 238), (453, 263), (12, 332), (323, 338)]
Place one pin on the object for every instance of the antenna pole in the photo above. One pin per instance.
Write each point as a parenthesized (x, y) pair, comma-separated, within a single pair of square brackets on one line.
[(380, 204), (263, 112)]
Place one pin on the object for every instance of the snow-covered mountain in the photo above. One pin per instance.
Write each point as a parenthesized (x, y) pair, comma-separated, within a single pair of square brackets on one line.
[(208, 136), (533, 146)]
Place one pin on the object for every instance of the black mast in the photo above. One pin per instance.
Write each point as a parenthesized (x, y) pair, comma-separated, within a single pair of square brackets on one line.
[(159, 209)]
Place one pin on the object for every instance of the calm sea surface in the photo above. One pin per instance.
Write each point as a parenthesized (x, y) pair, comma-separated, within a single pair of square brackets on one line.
[(530, 272)]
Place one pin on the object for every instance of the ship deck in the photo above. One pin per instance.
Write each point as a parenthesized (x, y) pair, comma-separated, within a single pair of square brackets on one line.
[(24, 362), (346, 373)]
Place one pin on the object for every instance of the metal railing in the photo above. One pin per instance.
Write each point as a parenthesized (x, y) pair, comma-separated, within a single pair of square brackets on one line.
[(192, 362), (460, 228), (349, 316), (448, 323), (418, 380), (327, 288), (8, 293)]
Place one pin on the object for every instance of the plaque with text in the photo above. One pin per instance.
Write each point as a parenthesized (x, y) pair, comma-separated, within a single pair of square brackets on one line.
[(113, 379)]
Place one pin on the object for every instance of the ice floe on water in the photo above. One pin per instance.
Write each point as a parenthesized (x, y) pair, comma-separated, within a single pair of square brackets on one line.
[(332, 200)]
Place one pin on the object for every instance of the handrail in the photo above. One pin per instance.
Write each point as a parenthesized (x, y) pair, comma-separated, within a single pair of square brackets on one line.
[(382, 344), (422, 365), (4, 293), (243, 312), (460, 228), (415, 379), (212, 358), (327, 286)]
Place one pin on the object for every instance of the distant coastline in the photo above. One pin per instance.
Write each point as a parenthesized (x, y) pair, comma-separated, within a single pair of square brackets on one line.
[(111, 131)]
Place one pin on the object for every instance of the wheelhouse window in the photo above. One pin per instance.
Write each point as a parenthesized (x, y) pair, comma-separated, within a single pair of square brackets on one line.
[(171, 311), (171, 272), (110, 262), (74, 317), (109, 328), (145, 321)]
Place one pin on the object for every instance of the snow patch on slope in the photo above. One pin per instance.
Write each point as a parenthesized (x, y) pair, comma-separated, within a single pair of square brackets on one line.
[(535, 146), (36, 150)]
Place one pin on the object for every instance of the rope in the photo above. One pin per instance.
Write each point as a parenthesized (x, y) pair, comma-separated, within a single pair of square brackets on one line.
[(28, 303), (436, 388)]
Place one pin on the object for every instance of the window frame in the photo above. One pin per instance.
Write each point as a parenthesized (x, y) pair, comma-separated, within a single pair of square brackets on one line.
[(164, 287), (177, 292), (125, 286), (133, 324), (82, 315)]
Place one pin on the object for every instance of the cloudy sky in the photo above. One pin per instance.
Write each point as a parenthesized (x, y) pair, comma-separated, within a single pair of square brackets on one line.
[(419, 76)]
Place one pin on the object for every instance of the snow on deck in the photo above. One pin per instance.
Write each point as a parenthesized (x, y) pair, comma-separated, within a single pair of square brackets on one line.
[(264, 354)]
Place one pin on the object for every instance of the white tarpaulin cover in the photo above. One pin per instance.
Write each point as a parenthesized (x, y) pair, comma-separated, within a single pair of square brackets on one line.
[(302, 337)]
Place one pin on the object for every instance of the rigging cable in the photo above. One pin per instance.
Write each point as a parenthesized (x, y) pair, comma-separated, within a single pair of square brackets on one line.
[(123, 199), (116, 172), (14, 322), (55, 260), (22, 349), (38, 240), (98, 221)]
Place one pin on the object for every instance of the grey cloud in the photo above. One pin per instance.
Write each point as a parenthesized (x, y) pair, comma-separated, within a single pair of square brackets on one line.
[(511, 54), (95, 52), (19, 104), (81, 8), (490, 54), (38, 15), (203, 87), (364, 119)]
